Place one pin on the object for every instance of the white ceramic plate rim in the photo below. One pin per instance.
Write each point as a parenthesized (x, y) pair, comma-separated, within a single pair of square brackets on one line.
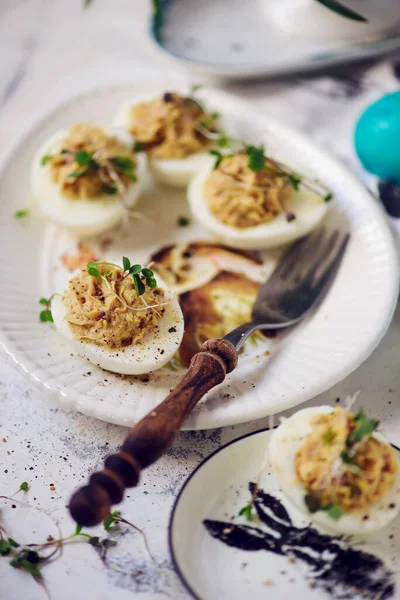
[(70, 398), (174, 558)]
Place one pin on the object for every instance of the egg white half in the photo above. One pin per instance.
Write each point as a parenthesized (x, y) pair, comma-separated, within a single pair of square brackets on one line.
[(285, 441), (152, 353), (81, 216), (175, 172), (307, 206)]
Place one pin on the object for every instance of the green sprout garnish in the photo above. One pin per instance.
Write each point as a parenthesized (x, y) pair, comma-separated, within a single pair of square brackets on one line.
[(139, 274), (45, 315), (183, 221), (329, 437), (257, 158), (78, 173), (350, 464), (335, 512), (364, 427), (111, 520), (124, 165), (19, 214), (195, 87), (139, 146), (224, 141), (84, 159), (24, 486), (87, 164), (45, 159), (314, 505), (247, 512), (219, 156)]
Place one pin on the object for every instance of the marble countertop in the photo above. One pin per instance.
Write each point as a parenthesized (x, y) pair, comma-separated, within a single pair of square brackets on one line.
[(53, 49)]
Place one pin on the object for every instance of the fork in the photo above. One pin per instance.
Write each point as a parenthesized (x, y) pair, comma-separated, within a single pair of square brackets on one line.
[(299, 282)]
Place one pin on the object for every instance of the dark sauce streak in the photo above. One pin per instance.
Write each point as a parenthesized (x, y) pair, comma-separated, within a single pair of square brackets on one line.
[(335, 568)]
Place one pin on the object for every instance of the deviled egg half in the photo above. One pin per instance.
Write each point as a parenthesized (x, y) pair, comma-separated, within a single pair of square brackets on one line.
[(174, 130), (251, 202), (85, 177), (335, 467), (121, 319)]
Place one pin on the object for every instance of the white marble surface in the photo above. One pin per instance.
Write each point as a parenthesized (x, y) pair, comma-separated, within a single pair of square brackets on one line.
[(51, 49)]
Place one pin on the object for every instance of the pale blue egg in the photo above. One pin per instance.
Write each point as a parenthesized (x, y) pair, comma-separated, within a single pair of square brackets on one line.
[(377, 137)]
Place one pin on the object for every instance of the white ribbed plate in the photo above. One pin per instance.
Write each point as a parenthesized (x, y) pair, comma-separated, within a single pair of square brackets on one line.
[(311, 359)]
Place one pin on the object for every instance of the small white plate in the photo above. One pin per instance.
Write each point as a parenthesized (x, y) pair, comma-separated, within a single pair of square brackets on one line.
[(212, 570), (238, 40), (271, 377)]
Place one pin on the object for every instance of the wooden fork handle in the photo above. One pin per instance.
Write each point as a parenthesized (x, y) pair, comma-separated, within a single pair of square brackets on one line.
[(153, 435)]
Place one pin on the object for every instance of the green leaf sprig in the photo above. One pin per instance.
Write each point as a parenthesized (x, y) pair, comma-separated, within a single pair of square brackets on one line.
[(258, 160), (139, 274), (349, 462), (31, 558), (314, 505), (111, 520), (45, 315), (329, 437), (183, 221), (123, 165), (23, 212), (247, 512), (364, 427)]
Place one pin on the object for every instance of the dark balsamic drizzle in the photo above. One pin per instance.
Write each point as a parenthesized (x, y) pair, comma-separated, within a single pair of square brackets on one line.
[(333, 566)]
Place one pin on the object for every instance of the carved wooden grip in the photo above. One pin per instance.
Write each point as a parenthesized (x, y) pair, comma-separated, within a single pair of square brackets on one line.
[(153, 435)]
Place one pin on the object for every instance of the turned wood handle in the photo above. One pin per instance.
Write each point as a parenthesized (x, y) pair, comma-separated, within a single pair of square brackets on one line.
[(153, 435)]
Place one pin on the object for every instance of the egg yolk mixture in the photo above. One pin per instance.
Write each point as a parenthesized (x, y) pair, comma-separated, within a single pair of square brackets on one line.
[(91, 164), (241, 197), (173, 126), (341, 466), (110, 313)]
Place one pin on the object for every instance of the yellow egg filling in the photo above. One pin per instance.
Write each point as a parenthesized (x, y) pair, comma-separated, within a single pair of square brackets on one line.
[(241, 197), (91, 163), (171, 127), (108, 311), (341, 464)]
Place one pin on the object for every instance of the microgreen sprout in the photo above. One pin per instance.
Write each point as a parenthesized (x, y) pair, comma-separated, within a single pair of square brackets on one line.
[(183, 221), (19, 214), (256, 157), (195, 87), (45, 159), (224, 141), (111, 519), (247, 512), (24, 486), (89, 162), (45, 315), (139, 146), (314, 505), (258, 160), (349, 462), (329, 437), (33, 557), (364, 427), (141, 277), (218, 157)]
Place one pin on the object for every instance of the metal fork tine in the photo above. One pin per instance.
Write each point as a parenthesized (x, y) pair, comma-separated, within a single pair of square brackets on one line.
[(322, 276), (295, 254), (326, 251)]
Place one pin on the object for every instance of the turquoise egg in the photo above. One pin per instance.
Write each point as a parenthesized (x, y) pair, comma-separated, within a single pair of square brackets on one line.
[(377, 138)]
